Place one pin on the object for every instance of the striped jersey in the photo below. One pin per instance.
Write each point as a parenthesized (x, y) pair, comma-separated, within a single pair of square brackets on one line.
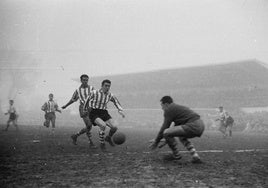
[(99, 100), (50, 106), (223, 115), (82, 93)]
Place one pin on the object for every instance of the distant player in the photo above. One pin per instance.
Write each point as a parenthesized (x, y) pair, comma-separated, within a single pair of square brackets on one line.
[(81, 94), (50, 107), (226, 122), (12, 115), (187, 124), (99, 115)]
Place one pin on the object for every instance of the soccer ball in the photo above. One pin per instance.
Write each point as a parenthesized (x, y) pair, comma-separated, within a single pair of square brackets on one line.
[(119, 138)]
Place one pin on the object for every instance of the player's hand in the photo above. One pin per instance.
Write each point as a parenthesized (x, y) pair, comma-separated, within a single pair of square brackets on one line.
[(153, 145), (122, 114)]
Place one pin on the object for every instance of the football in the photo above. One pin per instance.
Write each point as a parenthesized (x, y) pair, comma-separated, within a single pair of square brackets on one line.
[(119, 138)]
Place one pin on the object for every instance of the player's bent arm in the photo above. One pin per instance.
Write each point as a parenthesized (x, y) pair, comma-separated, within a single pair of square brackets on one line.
[(116, 103), (121, 113), (69, 103), (165, 125)]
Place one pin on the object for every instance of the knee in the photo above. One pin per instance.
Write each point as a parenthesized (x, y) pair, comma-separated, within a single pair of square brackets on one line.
[(166, 133), (182, 139), (88, 126)]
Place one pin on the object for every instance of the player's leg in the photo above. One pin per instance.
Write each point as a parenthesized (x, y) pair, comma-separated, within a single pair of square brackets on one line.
[(184, 132), (76, 135), (113, 129), (83, 115), (170, 134), (8, 123), (222, 129), (15, 124), (101, 124), (190, 147), (49, 120), (230, 127), (88, 129), (46, 122), (53, 122)]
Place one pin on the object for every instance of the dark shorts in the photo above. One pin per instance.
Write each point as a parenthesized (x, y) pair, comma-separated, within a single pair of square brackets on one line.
[(98, 113), (83, 113), (50, 116), (12, 116), (229, 121), (194, 128)]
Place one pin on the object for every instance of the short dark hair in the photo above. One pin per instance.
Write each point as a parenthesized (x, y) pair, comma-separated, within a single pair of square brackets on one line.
[(83, 76), (166, 99), (105, 81), (51, 94)]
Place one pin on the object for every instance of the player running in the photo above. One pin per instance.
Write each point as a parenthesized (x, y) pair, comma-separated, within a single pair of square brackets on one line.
[(81, 94), (50, 107), (226, 122), (99, 115), (187, 125), (12, 115)]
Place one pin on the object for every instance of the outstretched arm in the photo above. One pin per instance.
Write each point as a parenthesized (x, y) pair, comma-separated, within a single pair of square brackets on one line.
[(74, 98), (166, 124), (69, 103), (118, 106)]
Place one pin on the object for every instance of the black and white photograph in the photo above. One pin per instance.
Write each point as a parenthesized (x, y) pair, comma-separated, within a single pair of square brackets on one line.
[(134, 93)]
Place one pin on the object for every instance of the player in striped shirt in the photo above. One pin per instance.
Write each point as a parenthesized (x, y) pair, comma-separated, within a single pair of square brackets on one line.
[(226, 122), (81, 94), (50, 107), (99, 115), (12, 115)]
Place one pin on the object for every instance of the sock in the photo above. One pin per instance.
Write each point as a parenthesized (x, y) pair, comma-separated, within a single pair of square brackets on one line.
[(189, 146), (82, 131), (173, 145), (89, 135), (186, 143), (101, 136)]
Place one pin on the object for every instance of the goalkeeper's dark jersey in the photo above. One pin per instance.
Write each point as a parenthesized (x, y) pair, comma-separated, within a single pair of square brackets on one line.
[(180, 114)]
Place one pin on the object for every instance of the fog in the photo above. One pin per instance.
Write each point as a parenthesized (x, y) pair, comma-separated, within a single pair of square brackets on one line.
[(46, 45)]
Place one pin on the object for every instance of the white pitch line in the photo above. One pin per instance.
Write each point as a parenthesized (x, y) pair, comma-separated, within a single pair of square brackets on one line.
[(221, 151)]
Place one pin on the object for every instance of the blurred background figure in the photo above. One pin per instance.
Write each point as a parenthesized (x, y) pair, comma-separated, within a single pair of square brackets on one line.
[(226, 122), (12, 115), (50, 107)]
